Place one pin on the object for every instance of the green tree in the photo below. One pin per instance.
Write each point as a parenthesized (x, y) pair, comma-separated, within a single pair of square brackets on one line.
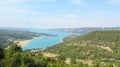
[(13, 56), (73, 61), (96, 63), (109, 65), (14, 48), (1, 53), (2, 57), (61, 58)]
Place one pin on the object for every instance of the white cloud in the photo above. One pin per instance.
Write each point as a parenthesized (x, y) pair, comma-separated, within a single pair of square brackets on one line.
[(20, 1), (78, 2), (72, 16), (6, 10), (115, 2), (10, 7)]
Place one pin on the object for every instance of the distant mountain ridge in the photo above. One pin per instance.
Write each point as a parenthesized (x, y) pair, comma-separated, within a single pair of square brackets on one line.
[(85, 29), (14, 28)]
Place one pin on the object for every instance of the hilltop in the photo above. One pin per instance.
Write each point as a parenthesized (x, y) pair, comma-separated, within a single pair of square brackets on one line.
[(102, 45)]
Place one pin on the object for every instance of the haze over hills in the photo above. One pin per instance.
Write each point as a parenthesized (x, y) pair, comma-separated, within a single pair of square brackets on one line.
[(85, 29), (72, 30), (15, 28)]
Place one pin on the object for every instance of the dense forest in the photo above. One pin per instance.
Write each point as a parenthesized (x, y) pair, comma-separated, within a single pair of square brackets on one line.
[(101, 45), (14, 56), (7, 37)]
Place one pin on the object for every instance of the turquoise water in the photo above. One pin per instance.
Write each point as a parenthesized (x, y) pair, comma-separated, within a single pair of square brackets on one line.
[(47, 40)]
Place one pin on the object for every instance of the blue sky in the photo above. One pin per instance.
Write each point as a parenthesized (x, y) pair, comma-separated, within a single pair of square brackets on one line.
[(59, 13)]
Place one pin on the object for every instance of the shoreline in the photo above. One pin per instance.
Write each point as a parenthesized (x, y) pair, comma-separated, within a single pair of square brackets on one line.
[(23, 43)]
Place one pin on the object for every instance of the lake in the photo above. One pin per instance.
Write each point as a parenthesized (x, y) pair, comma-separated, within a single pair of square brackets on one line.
[(46, 41)]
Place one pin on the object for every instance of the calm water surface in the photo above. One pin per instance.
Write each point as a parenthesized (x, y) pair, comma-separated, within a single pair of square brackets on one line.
[(47, 40)]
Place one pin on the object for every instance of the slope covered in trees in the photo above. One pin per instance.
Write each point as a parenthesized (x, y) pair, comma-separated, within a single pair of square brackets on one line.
[(14, 56), (95, 49), (102, 45), (7, 37)]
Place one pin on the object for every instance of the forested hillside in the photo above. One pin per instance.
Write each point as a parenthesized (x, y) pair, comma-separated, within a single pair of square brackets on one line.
[(102, 45), (7, 37), (95, 49), (14, 56)]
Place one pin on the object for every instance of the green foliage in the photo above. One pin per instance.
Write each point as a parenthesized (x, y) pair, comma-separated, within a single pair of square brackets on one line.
[(7, 37), (13, 51), (82, 47), (63, 58), (73, 61), (97, 63), (15, 57), (103, 45), (109, 65), (79, 64), (1, 53)]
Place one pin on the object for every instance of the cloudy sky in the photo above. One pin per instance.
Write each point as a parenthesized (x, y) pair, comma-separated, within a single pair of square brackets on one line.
[(59, 13)]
